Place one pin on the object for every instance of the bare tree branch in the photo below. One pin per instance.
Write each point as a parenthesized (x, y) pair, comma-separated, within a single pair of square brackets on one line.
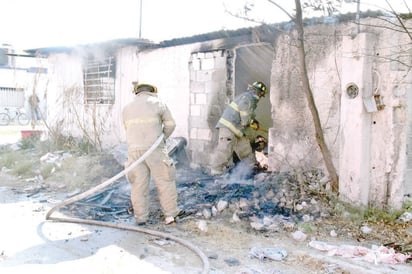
[(282, 9), (399, 19)]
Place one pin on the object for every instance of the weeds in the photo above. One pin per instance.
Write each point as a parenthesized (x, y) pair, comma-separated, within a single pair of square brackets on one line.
[(369, 214), (24, 168), (377, 215), (8, 159)]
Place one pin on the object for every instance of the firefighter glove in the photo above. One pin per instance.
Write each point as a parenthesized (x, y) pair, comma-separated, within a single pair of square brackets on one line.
[(254, 124)]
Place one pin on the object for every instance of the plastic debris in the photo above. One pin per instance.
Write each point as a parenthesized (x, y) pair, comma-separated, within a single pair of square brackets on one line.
[(376, 254), (271, 253)]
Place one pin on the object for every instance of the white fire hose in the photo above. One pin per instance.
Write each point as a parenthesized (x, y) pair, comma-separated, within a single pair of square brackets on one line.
[(110, 181)]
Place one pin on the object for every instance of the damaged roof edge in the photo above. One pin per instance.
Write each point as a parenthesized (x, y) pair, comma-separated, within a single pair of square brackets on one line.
[(109, 44), (268, 29)]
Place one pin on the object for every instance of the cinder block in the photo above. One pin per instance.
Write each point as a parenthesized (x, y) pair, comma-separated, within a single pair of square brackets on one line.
[(193, 133), (220, 62), (203, 76), (201, 99), (204, 134), (196, 64), (195, 110), (197, 87), (208, 64), (218, 75), (210, 54)]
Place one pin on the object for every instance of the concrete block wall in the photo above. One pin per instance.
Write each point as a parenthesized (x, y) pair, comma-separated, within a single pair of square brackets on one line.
[(208, 96)]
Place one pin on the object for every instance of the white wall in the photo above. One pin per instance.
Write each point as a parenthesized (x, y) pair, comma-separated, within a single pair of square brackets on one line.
[(168, 69)]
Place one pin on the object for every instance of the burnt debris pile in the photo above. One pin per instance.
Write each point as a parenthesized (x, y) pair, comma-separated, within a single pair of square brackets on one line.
[(264, 198)]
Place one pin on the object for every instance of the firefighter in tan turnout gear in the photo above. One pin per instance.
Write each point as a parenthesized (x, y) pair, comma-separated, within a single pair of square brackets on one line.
[(145, 119), (233, 125)]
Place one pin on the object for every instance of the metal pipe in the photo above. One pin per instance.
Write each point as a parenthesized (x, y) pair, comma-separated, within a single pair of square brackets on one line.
[(140, 19)]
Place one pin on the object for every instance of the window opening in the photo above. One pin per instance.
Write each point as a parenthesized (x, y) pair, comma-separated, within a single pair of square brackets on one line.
[(99, 81)]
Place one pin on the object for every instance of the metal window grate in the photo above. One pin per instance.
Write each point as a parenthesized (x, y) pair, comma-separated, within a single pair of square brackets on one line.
[(99, 81)]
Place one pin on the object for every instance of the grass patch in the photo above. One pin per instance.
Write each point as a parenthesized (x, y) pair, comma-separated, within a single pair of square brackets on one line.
[(377, 215), (8, 159), (370, 214), (24, 169), (47, 169)]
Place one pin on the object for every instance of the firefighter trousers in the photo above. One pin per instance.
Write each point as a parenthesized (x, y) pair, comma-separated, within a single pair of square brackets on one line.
[(229, 143), (161, 168)]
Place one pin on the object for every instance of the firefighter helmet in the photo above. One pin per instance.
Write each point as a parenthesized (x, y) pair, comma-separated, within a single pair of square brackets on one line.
[(260, 88), (143, 87)]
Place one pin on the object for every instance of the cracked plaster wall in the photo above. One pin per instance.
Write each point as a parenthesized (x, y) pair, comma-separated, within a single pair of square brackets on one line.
[(368, 148)]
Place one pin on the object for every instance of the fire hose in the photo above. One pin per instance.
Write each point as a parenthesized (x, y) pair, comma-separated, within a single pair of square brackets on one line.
[(110, 181)]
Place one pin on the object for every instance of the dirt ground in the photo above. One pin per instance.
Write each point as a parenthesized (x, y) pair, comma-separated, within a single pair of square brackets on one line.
[(30, 243)]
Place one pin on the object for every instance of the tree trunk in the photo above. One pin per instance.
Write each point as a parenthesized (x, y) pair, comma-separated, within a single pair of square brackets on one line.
[(311, 103)]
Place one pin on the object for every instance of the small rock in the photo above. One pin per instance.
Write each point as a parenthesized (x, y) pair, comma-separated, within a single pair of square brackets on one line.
[(235, 218), (202, 225), (207, 213), (267, 221), (299, 236), (307, 218), (270, 195), (257, 226), (213, 256), (232, 262), (366, 229), (162, 242), (243, 203), (406, 217), (214, 211), (222, 205), (274, 228), (299, 207), (333, 233)]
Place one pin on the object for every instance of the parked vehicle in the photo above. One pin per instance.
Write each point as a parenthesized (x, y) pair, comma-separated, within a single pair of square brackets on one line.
[(18, 115)]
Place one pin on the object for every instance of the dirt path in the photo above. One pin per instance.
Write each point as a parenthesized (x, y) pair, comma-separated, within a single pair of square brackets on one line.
[(29, 243)]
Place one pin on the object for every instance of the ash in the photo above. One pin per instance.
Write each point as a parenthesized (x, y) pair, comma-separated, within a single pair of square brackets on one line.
[(268, 200)]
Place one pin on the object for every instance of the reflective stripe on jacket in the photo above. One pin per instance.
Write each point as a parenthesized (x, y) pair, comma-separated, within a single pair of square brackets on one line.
[(145, 118), (239, 113)]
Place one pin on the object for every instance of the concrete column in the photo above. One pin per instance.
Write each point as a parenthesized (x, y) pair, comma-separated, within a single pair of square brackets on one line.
[(354, 162)]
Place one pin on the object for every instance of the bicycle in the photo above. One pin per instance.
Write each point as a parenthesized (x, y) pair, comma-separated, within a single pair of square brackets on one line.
[(7, 117)]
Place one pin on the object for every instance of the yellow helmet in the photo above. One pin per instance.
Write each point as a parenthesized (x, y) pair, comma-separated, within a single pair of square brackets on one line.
[(143, 87), (260, 88)]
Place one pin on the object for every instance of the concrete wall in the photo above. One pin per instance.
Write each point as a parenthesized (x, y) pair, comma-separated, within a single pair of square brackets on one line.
[(168, 69), (197, 80), (367, 146), (292, 143)]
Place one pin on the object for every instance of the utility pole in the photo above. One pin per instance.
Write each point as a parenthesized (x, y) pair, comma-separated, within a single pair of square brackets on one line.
[(358, 15), (140, 19)]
